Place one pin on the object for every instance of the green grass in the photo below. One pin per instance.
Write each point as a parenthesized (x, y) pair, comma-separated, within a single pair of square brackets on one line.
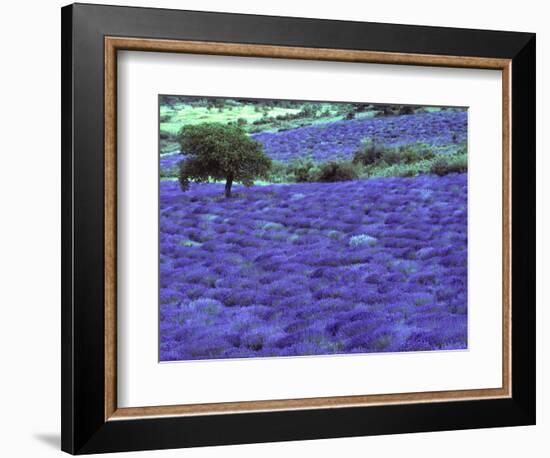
[(173, 119)]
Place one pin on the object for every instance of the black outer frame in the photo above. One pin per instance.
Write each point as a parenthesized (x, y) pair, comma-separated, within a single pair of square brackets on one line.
[(84, 429)]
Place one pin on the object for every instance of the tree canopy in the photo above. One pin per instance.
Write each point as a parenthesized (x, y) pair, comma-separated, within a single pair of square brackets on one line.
[(216, 151)]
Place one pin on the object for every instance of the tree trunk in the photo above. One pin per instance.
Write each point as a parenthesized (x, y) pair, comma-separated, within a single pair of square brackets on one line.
[(228, 184)]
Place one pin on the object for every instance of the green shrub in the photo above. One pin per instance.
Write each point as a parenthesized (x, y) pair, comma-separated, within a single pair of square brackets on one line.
[(308, 111), (411, 154), (337, 171), (166, 135), (369, 153), (444, 165), (303, 169), (372, 154), (280, 173), (405, 110), (395, 110), (391, 156), (401, 170), (385, 110), (408, 172)]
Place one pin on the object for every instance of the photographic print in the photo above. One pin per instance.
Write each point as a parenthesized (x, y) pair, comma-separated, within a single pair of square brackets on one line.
[(300, 228)]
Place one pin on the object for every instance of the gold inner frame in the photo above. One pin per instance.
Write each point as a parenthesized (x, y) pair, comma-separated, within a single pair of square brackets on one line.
[(114, 44)]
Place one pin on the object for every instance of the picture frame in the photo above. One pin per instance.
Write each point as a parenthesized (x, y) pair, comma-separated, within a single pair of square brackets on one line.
[(92, 37)]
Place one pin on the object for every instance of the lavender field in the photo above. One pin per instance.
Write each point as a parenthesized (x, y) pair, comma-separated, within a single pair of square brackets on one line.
[(341, 139), (360, 264)]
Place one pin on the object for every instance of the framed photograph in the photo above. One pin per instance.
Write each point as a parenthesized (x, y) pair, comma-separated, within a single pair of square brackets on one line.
[(281, 228)]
